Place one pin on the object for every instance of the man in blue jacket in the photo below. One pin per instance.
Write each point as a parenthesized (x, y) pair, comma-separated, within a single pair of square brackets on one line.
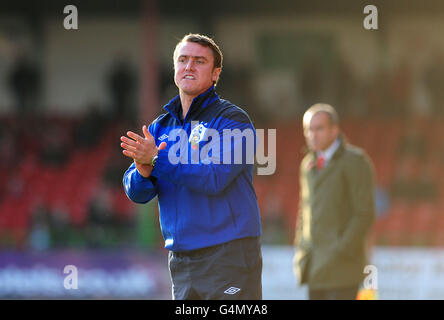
[(198, 159)]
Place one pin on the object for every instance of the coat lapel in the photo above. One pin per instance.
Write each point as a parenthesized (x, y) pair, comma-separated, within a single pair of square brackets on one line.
[(320, 175), (311, 171)]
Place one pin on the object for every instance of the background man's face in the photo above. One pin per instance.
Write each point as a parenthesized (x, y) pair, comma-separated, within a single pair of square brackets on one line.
[(320, 132), (194, 70)]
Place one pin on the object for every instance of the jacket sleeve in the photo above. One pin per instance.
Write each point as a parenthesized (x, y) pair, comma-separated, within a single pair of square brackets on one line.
[(359, 176), (212, 177), (299, 218), (138, 188)]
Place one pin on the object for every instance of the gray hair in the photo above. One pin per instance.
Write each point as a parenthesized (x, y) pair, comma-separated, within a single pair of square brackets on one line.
[(320, 107)]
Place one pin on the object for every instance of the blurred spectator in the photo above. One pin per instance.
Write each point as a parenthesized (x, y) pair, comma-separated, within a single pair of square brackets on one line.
[(382, 201), (88, 132), (414, 181), (403, 184), (8, 152), (121, 85), (39, 234), (427, 184), (346, 87), (335, 178), (242, 77), (401, 89), (273, 224), (311, 81), (113, 172), (24, 83), (440, 152), (167, 88), (434, 80), (413, 142), (55, 147), (420, 104), (60, 226), (15, 186), (378, 95), (100, 218)]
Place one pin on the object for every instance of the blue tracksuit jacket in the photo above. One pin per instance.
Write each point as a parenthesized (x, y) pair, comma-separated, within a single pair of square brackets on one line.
[(203, 201)]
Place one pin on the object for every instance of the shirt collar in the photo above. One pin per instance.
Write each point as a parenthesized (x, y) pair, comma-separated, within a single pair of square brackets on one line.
[(327, 154)]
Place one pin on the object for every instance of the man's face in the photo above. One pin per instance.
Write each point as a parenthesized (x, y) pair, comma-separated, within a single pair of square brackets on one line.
[(194, 70), (320, 132)]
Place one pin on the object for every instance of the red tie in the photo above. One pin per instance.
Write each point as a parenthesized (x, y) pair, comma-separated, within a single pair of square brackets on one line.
[(320, 162)]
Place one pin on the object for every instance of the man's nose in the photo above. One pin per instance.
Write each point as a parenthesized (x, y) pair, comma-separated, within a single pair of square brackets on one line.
[(190, 65)]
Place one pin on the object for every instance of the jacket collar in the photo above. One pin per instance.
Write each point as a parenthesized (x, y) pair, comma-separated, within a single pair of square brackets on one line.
[(174, 107), (337, 153), (315, 176), (328, 154)]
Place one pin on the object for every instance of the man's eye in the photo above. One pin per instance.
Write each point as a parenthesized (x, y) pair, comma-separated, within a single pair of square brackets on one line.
[(199, 62)]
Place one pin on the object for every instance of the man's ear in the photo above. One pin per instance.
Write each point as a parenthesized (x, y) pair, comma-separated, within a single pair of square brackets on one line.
[(216, 73), (337, 131)]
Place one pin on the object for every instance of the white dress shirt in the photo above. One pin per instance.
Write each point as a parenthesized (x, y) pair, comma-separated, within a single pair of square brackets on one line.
[(329, 152)]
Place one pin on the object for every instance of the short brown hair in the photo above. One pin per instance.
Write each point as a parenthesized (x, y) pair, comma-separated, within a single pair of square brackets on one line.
[(203, 41)]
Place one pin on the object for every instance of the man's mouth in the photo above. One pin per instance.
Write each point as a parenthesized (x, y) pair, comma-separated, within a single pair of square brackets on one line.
[(189, 77)]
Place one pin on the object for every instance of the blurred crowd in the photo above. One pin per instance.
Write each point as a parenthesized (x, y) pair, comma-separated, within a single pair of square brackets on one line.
[(403, 90), (31, 138), (33, 148)]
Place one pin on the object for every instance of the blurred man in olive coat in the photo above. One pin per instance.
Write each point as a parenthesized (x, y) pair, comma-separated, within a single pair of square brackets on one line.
[(336, 209)]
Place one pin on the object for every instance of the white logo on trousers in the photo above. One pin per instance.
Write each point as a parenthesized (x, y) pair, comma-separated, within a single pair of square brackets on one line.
[(232, 290)]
